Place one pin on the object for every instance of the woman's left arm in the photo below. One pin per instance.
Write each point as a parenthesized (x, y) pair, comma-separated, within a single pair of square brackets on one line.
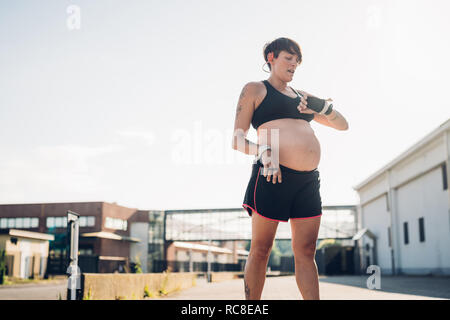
[(334, 120)]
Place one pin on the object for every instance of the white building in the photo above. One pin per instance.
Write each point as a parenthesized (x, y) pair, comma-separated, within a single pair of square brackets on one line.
[(26, 252), (406, 205), (198, 252)]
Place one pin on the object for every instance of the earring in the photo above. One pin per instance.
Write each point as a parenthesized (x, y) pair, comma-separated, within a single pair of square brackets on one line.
[(263, 67)]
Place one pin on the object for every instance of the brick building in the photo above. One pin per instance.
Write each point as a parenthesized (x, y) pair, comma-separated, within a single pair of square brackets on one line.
[(105, 240), (114, 238)]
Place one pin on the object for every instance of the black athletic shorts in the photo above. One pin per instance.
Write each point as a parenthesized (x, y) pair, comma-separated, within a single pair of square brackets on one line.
[(296, 197)]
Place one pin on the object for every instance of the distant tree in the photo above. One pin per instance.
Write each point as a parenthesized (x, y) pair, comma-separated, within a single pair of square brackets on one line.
[(137, 265), (285, 247), (247, 245), (275, 254), (2, 265)]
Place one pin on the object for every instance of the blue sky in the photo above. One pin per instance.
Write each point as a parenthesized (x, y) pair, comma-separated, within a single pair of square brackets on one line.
[(137, 106)]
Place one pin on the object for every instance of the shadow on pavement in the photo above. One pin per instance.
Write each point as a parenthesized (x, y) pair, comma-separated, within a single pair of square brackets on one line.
[(429, 286)]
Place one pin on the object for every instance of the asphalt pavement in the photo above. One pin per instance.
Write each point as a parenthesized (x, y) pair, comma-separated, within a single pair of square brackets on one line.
[(35, 291), (331, 288), (275, 288)]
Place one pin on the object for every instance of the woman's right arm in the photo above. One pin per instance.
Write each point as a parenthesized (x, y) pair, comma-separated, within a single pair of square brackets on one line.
[(244, 114)]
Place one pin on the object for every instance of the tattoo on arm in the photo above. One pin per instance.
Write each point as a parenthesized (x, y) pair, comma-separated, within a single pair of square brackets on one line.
[(247, 291), (239, 107), (242, 94)]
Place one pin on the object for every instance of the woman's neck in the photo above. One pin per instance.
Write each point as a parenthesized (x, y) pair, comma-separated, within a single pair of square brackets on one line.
[(277, 83)]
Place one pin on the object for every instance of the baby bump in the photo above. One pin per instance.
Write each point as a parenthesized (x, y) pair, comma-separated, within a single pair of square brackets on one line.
[(297, 146)]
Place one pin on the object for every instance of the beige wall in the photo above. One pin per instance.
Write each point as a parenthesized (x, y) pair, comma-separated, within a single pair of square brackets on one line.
[(25, 248), (108, 286)]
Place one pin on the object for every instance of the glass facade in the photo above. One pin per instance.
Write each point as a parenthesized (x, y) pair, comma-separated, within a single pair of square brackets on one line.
[(155, 240), (235, 224), (203, 225)]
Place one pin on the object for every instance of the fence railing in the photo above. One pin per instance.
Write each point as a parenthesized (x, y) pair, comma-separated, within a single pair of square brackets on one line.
[(58, 265), (186, 266)]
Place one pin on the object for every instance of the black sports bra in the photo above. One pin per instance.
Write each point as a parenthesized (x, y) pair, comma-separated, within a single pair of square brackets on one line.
[(277, 105)]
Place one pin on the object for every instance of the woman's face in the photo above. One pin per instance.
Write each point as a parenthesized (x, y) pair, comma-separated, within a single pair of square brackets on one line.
[(284, 66)]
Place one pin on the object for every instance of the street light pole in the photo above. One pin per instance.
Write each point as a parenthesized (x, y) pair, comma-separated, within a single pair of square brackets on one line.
[(209, 260), (73, 287)]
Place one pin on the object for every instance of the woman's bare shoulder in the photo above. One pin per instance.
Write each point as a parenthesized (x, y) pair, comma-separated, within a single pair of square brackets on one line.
[(255, 88)]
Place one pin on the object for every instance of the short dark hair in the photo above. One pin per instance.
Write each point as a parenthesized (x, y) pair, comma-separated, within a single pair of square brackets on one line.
[(282, 44)]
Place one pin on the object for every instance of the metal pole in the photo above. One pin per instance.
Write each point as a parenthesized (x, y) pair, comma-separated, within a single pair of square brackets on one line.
[(73, 269), (164, 253), (391, 202), (191, 262), (209, 260)]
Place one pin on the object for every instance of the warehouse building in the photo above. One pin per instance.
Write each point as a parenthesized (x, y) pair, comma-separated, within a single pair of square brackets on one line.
[(112, 238), (405, 207), (106, 239)]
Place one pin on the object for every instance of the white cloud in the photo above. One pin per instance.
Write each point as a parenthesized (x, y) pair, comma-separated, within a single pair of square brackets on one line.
[(147, 136), (51, 171)]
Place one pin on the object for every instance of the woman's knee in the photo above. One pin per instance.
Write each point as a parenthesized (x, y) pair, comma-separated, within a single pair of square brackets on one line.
[(260, 250), (304, 250)]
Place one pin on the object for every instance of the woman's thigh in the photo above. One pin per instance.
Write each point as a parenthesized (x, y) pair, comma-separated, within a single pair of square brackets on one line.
[(263, 232), (304, 234)]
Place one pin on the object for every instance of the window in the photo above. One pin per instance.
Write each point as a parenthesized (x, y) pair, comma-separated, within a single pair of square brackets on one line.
[(56, 222), (50, 222), (86, 251), (90, 221), (34, 222), (421, 229), (87, 221), (19, 223), (405, 232), (59, 222), (27, 222), (389, 237), (117, 224), (444, 176)]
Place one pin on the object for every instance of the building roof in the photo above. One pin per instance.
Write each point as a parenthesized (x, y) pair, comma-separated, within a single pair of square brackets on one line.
[(435, 133), (40, 203), (242, 252), (28, 234), (362, 232), (205, 247), (109, 235)]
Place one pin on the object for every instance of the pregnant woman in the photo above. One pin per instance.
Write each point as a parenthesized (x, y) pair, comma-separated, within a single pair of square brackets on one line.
[(284, 183)]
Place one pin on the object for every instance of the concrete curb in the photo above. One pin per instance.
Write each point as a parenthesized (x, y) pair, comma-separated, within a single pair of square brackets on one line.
[(37, 284)]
